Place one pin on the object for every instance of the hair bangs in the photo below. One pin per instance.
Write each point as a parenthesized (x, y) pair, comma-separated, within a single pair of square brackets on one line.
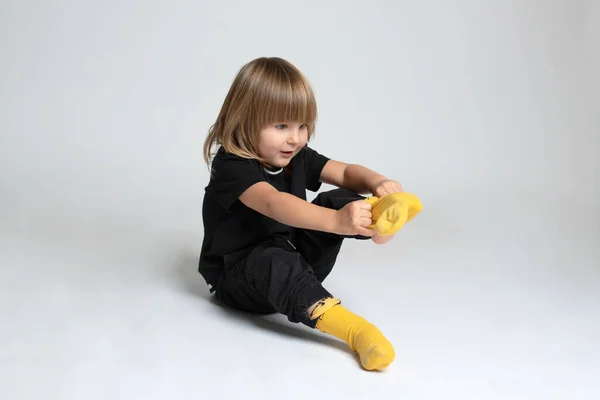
[(287, 96)]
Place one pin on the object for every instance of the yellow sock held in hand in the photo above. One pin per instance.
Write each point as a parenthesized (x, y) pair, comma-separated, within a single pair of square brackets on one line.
[(374, 350), (391, 212)]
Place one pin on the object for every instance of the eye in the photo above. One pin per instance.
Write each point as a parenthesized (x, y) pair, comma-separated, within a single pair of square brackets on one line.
[(281, 126), (304, 126)]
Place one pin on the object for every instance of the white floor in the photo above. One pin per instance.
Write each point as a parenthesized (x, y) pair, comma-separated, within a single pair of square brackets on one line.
[(477, 308)]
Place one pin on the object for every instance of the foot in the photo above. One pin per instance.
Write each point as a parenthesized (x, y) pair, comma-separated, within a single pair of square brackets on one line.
[(374, 350), (380, 239), (391, 212)]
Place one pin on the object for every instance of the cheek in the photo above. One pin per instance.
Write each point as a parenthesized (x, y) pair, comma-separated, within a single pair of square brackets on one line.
[(304, 138), (265, 140), (269, 144), (264, 149)]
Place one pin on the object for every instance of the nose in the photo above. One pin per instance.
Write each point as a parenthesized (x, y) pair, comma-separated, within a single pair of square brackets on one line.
[(294, 137)]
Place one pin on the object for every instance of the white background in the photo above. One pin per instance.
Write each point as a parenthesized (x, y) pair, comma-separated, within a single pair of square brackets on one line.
[(486, 110)]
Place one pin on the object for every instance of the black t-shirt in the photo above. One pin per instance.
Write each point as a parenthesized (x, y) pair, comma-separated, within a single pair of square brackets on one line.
[(230, 226)]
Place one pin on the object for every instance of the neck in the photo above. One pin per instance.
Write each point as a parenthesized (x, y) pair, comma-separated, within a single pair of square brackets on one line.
[(272, 171)]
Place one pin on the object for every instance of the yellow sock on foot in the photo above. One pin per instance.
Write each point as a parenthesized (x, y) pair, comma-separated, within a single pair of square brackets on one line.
[(391, 212), (374, 350)]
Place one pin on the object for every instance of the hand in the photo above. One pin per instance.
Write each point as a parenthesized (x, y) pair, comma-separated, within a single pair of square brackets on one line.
[(387, 187), (354, 219)]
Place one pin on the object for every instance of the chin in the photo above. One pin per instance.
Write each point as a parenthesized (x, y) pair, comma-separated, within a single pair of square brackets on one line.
[(281, 163)]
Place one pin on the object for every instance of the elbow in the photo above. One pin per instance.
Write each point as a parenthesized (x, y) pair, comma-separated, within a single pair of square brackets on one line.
[(346, 175), (272, 203)]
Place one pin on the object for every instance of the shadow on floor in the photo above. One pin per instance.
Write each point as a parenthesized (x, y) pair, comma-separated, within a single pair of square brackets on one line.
[(186, 269)]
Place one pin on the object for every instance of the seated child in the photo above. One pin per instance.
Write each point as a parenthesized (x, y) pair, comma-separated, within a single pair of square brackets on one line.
[(267, 249)]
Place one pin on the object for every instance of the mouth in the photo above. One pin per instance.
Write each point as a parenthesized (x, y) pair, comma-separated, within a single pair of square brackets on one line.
[(287, 153)]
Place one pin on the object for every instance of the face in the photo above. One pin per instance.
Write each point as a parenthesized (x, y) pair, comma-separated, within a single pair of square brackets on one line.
[(281, 141)]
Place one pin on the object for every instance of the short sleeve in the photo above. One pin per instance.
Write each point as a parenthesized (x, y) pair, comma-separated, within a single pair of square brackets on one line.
[(232, 175), (313, 166)]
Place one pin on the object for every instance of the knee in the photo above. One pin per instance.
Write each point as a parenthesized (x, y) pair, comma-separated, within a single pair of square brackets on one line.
[(338, 192), (337, 198)]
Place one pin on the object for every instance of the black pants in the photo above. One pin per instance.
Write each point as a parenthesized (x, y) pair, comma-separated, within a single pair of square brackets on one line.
[(280, 277)]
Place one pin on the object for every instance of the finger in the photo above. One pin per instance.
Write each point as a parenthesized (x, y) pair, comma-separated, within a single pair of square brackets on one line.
[(396, 187), (364, 222), (363, 212), (366, 215), (364, 205)]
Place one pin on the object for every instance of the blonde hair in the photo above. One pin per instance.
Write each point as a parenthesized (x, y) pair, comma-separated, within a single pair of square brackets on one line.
[(265, 90)]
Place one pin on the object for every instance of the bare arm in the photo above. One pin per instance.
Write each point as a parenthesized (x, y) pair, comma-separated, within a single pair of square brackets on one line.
[(293, 211), (351, 176)]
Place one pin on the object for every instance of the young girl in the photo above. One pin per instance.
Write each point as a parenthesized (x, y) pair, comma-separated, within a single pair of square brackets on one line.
[(266, 249)]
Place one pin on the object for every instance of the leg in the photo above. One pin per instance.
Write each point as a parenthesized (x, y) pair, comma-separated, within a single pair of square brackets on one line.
[(271, 279), (278, 279), (320, 249)]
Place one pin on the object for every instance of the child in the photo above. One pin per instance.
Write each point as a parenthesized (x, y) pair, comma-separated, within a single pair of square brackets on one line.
[(266, 249)]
